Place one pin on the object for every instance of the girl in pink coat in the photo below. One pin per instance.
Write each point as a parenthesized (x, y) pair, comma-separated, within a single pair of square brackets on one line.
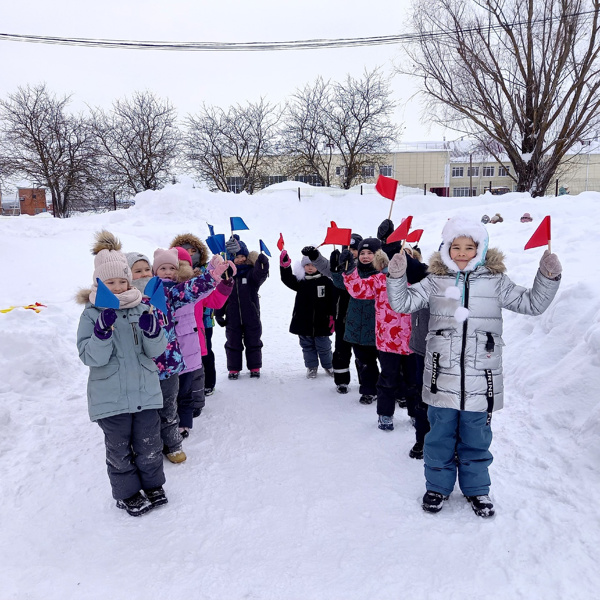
[(392, 335)]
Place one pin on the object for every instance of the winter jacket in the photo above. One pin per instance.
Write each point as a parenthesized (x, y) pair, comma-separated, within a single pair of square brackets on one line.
[(463, 361), (215, 300), (243, 306), (314, 307), (392, 329), (360, 316), (123, 377)]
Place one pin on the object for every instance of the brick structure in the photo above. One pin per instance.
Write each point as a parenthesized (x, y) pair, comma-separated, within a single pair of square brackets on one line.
[(32, 200)]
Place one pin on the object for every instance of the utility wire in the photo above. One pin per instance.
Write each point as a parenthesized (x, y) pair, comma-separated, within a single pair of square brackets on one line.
[(316, 44)]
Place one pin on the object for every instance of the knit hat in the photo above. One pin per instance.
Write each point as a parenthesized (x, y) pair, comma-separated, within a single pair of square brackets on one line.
[(372, 244), (306, 261), (165, 257), (133, 257), (243, 248), (184, 255), (526, 218), (355, 240), (385, 229), (111, 264)]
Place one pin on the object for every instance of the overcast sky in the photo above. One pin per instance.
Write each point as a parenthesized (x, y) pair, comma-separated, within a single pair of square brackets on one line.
[(97, 76)]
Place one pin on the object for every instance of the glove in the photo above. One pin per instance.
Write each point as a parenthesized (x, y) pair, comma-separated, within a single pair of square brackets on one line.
[(103, 326), (311, 252), (232, 246), (347, 262), (149, 325), (221, 321), (385, 229), (284, 259), (334, 262), (550, 265), (397, 266)]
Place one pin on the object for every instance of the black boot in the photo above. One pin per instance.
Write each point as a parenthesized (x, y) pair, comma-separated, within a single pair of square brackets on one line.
[(367, 399), (416, 451), (135, 505), (482, 505), (156, 496), (433, 502)]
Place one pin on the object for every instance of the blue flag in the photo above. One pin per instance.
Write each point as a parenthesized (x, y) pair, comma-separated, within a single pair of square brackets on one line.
[(211, 229), (156, 292), (216, 243), (237, 223), (104, 297), (263, 248)]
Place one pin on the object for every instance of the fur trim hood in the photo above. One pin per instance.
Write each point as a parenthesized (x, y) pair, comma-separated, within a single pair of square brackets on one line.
[(461, 226), (83, 296), (252, 256), (380, 260), (105, 240), (184, 273), (196, 242), (300, 274), (494, 263)]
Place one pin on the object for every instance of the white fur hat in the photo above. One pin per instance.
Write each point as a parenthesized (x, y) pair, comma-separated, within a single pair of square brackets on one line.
[(460, 226)]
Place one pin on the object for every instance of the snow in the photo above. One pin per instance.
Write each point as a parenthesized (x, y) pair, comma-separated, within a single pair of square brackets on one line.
[(290, 491)]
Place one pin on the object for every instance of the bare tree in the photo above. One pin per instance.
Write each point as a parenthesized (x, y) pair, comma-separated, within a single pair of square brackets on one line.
[(521, 74), (139, 140), (42, 142), (234, 143)]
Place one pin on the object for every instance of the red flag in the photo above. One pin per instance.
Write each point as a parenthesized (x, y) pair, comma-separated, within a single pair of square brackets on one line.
[(280, 242), (414, 236), (541, 235), (401, 232), (387, 187), (337, 235)]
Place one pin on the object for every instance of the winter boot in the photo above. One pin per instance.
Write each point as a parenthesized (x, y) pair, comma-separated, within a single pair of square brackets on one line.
[(367, 399), (433, 501), (342, 388), (177, 457), (330, 372), (185, 432), (156, 496), (197, 412), (233, 375), (416, 451), (254, 373), (311, 372), (135, 505), (482, 505), (401, 402), (209, 391), (386, 423)]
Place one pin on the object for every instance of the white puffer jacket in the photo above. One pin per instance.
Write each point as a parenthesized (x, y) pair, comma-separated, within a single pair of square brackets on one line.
[(463, 361)]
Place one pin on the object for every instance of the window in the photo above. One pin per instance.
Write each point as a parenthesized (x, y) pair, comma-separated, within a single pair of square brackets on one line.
[(463, 192), (310, 179), (488, 171), (458, 171), (339, 170), (235, 184), (368, 171), (271, 179), (385, 170), (503, 171), (472, 171), (22, 198)]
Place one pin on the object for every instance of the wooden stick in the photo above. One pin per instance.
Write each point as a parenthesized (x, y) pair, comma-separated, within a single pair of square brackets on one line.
[(391, 207), (550, 246)]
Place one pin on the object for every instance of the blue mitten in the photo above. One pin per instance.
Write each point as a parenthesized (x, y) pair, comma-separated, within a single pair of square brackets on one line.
[(149, 325), (104, 323)]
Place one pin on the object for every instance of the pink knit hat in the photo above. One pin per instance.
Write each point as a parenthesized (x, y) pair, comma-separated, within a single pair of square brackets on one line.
[(183, 254), (165, 257), (111, 264)]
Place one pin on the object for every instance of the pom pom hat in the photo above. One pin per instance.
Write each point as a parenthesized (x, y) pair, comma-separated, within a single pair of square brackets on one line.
[(109, 261)]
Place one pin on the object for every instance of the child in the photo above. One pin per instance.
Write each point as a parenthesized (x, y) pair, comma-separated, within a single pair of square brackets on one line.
[(171, 363), (200, 256), (190, 335), (392, 334), (360, 319), (466, 291), (313, 315), (123, 391), (141, 269), (241, 314)]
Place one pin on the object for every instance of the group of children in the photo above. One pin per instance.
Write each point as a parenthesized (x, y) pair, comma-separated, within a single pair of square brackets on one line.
[(425, 336)]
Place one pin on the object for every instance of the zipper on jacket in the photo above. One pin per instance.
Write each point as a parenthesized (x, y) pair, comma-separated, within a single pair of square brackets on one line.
[(135, 336), (237, 291), (464, 345)]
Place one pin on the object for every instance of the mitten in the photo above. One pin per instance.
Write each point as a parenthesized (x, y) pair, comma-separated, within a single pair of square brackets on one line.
[(217, 259), (311, 252), (284, 259), (385, 229), (149, 325), (334, 262), (550, 265), (347, 262), (231, 270), (221, 321), (262, 259), (232, 246), (217, 272), (103, 326), (397, 266)]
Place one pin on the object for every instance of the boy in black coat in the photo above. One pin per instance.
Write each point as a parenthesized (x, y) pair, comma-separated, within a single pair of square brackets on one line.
[(314, 310)]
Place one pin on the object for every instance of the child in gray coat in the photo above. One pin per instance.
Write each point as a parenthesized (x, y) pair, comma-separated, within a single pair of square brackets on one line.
[(123, 391)]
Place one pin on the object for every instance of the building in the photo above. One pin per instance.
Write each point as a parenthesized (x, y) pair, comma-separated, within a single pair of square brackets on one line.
[(32, 201)]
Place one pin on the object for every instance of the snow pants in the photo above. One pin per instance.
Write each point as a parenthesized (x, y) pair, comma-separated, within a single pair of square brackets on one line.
[(391, 383), (240, 336), (190, 396), (134, 458), (169, 419), (467, 434), (208, 360), (342, 355), (315, 349), (367, 369), (417, 409)]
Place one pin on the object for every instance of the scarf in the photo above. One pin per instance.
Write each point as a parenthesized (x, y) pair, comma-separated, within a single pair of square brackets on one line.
[(128, 299)]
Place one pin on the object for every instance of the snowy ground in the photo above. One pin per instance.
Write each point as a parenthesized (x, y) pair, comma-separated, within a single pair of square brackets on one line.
[(290, 491)]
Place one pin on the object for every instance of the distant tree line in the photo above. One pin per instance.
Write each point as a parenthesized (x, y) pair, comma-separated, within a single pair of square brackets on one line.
[(86, 160)]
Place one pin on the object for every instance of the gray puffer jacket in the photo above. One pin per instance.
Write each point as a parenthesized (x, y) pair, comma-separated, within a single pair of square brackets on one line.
[(463, 360)]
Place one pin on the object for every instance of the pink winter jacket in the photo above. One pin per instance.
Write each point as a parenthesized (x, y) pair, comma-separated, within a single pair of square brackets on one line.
[(392, 329), (215, 300)]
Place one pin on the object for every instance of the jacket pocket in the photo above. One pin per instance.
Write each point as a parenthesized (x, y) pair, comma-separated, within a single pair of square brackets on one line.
[(149, 376), (488, 350), (104, 385), (440, 343)]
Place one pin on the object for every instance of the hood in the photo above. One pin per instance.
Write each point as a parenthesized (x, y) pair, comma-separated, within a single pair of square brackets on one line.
[(494, 263), (463, 226), (192, 240)]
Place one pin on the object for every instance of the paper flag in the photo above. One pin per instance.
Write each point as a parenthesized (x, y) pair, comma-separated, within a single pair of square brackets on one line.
[(211, 229), (104, 297), (216, 243), (263, 248), (280, 242), (156, 292), (414, 236), (387, 187), (401, 231), (541, 236), (337, 235), (237, 223)]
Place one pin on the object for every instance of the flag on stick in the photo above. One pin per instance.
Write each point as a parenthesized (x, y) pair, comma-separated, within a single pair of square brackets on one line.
[(541, 236), (237, 223), (156, 292), (104, 297), (387, 187), (337, 235), (401, 231), (216, 243), (280, 242), (211, 229), (414, 236), (263, 248)]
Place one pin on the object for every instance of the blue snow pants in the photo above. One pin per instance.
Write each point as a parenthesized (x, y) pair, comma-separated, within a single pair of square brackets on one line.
[(466, 434)]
